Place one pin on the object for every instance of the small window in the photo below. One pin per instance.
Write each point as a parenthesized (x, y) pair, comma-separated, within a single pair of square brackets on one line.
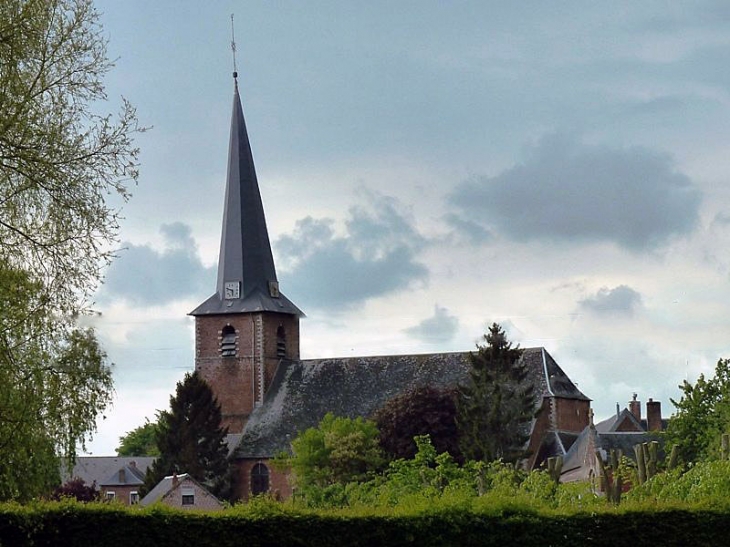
[(133, 498), (188, 496), (259, 479), (110, 495), (228, 341), (281, 343)]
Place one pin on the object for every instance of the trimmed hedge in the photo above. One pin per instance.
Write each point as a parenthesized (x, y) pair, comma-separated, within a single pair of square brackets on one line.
[(52, 524)]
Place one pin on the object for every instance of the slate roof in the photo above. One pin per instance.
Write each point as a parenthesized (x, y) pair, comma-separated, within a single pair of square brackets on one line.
[(553, 380), (576, 463), (555, 443), (100, 469), (127, 475), (612, 423), (302, 392), (245, 251)]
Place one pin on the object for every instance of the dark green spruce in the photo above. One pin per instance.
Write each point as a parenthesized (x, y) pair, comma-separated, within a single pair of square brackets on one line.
[(191, 440), (497, 404)]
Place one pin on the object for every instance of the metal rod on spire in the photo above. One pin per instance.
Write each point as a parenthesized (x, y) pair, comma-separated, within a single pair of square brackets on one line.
[(233, 49)]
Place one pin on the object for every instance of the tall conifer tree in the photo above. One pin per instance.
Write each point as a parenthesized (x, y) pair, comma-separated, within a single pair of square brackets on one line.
[(191, 440), (496, 406)]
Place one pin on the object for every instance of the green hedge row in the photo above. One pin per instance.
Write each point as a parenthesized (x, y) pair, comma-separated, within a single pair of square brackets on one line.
[(93, 525)]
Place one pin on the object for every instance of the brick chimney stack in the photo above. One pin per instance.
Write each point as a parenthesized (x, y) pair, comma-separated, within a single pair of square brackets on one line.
[(653, 415), (635, 408)]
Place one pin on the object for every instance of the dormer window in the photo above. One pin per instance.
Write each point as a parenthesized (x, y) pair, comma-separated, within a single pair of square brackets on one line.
[(228, 341), (281, 343)]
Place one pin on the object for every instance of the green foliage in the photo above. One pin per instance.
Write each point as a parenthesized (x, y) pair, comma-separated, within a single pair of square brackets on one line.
[(517, 517), (424, 410), (703, 414), (54, 382), (427, 475), (191, 440), (704, 484), (339, 450), (430, 481), (496, 406), (141, 441), (60, 157)]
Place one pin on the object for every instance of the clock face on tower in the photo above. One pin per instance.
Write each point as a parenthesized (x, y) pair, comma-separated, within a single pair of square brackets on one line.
[(232, 290)]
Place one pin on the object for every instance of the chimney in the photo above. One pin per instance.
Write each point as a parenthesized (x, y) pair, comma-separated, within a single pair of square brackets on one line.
[(635, 408), (653, 415), (174, 479), (122, 476), (133, 464)]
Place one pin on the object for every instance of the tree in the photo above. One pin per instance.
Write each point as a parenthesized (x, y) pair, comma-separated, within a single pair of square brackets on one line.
[(495, 407), (53, 386), (703, 415), (190, 439), (60, 159), (77, 489), (424, 410), (339, 450), (141, 441)]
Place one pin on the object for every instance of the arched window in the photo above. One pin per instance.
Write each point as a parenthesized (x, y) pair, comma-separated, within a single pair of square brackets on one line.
[(259, 479), (281, 343), (228, 341)]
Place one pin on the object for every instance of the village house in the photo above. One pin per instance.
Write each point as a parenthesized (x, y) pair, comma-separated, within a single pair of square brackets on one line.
[(622, 431), (118, 478), (182, 491)]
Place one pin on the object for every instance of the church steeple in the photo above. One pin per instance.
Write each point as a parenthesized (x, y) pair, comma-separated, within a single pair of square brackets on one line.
[(247, 330), (247, 279)]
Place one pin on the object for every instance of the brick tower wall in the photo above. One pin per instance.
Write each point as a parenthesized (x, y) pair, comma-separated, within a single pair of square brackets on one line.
[(239, 382)]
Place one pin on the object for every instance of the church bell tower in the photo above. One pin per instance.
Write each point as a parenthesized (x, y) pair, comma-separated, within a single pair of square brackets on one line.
[(247, 328)]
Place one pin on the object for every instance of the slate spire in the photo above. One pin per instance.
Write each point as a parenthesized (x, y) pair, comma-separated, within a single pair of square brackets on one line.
[(247, 279)]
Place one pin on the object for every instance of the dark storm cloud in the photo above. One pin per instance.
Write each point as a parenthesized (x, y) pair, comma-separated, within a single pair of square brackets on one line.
[(375, 256), (622, 300), (566, 191), (144, 276), (439, 328)]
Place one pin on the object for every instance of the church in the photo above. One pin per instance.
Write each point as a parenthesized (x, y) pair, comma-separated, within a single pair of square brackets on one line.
[(247, 348)]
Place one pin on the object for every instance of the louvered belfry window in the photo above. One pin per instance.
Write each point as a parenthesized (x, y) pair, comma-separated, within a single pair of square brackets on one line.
[(281, 343), (228, 341)]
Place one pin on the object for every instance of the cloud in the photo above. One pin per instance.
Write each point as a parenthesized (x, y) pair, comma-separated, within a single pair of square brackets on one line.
[(473, 232), (439, 328), (143, 275), (566, 191), (721, 220), (622, 300), (375, 256)]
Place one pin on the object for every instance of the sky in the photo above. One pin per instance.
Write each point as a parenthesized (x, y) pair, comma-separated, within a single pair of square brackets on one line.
[(428, 168)]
